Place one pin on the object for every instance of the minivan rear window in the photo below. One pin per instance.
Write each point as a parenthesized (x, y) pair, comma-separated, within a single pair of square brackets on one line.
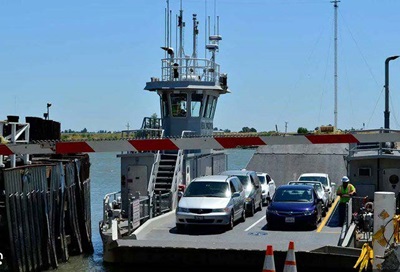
[(244, 180), (207, 189)]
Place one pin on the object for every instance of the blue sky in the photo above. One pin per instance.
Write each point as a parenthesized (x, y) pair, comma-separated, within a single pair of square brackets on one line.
[(91, 60)]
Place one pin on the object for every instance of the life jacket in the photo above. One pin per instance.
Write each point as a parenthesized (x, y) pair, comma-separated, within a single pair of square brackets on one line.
[(349, 189)]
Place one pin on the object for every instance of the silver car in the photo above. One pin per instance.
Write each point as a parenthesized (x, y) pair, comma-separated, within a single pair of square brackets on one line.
[(252, 186), (211, 200)]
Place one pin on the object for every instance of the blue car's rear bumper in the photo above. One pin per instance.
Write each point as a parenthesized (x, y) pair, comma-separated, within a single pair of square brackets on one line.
[(290, 220)]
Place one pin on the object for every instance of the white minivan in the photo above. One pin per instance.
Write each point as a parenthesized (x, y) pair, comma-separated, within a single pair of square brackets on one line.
[(330, 187), (212, 200)]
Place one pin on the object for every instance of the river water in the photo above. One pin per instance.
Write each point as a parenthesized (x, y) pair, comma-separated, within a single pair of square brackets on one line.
[(105, 178)]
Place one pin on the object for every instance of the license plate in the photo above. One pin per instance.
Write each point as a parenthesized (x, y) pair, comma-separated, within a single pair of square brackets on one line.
[(199, 217), (289, 219)]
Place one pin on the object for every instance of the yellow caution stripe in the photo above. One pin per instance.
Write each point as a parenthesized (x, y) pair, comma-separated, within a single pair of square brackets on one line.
[(328, 215)]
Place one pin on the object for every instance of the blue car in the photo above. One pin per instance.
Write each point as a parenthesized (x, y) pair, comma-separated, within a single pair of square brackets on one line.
[(294, 205)]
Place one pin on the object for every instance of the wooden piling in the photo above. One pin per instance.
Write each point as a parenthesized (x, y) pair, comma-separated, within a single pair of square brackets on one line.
[(39, 200), (61, 209)]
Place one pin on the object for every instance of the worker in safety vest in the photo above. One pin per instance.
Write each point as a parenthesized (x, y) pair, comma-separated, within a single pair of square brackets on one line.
[(345, 191)]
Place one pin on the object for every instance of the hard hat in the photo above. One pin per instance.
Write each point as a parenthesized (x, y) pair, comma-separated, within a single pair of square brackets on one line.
[(345, 179)]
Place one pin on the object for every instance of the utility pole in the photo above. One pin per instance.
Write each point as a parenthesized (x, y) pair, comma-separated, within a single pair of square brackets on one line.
[(335, 5)]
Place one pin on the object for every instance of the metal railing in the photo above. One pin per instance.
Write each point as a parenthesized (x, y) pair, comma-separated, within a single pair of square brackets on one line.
[(142, 133), (177, 178), (191, 69), (107, 206), (17, 130), (154, 171), (149, 207)]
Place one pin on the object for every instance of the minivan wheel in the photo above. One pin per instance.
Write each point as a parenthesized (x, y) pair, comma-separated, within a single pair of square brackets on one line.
[(230, 224), (244, 215), (253, 209)]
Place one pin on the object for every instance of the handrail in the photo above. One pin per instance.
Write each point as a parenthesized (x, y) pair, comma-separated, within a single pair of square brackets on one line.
[(139, 130), (106, 205), (13, 138), (193, 69), (177, 178), (149, 207), (154, 169), (379, 150)]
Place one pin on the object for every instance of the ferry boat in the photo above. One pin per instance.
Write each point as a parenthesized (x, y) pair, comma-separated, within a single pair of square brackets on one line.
[(188, 89)]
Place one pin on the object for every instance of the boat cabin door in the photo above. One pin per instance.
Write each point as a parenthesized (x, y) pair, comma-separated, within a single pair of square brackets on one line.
[(137, 179)]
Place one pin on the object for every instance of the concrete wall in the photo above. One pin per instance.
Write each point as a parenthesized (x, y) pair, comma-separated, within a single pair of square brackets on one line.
[(286, 163)]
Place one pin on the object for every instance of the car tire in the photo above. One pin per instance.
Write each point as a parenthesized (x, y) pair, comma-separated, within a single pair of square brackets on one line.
[(267, 200), (243, 219), (180, 228), (231, 222), (314, 225), (324, 211), (252, 208), (260, 205)]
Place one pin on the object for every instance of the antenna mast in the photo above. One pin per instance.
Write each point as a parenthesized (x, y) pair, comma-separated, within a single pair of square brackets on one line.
[(335, 5), (205, 28), (195, 33), (181, 24)]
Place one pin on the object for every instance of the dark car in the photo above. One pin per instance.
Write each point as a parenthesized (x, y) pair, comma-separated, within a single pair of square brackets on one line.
[(294, 205), (252, 187)]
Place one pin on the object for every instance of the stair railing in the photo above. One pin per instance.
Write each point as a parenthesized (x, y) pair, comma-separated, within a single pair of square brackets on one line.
[(177, 178), (154, 171)]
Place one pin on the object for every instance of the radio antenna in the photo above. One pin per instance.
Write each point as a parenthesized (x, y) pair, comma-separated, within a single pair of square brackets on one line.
[(335, 5)]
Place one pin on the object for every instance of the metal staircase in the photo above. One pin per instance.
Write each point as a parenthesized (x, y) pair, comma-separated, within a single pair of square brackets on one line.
[(165, 173)]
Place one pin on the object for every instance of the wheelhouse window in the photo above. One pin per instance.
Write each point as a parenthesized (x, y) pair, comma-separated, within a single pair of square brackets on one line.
[(196, 104), (164, 105), (179, 105), (210, 106)]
